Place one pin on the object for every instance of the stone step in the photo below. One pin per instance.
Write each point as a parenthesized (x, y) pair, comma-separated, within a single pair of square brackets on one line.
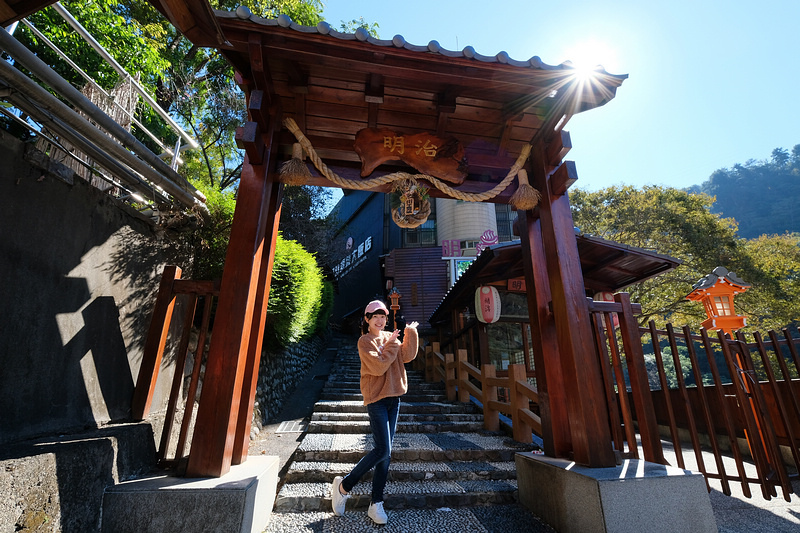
[(401, 495), (316, 472), (510, 518), (404, 417), (440, 447), (357, 406), (356, 385), (354, 381), (409, 397), (363, 426)]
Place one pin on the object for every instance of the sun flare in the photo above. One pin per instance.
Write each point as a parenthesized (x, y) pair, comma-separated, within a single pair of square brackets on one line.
[(589, 55)]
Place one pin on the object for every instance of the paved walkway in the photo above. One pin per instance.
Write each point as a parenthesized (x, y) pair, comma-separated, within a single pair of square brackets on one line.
[(734, 514)]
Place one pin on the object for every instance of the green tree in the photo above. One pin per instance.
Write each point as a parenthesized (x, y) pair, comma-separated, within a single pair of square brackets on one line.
[(681, 224), (774, 299), (668, 221), (762, 196)]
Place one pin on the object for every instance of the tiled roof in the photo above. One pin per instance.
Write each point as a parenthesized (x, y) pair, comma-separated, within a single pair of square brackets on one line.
[(720, 272), (398, 41)]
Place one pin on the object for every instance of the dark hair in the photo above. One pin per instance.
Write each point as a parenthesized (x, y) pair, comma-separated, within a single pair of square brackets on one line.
[(365, 320)]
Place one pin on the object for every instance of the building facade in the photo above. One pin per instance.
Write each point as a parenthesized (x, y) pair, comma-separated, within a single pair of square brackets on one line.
[(374, 255)]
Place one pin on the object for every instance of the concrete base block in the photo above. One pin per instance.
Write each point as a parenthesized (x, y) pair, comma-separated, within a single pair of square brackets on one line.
[(632, 497), (238, 502)]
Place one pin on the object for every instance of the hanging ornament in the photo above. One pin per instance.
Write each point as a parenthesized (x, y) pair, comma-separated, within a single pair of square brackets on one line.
[(294, 171), (525, 197), (410, 205)]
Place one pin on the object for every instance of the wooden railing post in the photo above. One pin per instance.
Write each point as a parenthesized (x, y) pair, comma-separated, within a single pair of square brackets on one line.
[(429, 361), (462, 377), (491, 417), (450, 376), (640, 385), (521, 430), (154, 344)]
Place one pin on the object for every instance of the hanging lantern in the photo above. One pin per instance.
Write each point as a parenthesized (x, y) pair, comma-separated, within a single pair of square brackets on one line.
[(607, 297), (487, 304)]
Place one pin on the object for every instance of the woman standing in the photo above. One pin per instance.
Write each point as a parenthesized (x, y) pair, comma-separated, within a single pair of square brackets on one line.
[(383, 381)]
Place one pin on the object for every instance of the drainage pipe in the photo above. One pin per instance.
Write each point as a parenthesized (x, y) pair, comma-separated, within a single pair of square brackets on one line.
[(100, 156), (28, 89), (165, 175)]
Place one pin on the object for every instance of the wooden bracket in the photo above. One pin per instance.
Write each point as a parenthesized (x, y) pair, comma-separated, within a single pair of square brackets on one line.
[(558, 148), (563, 178), (258, 108), (298, 79), (373, 93), (258, 63), (248, 137)]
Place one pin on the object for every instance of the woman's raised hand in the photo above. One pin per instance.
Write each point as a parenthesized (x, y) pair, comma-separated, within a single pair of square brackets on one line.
[(413, 324), (394, 336)]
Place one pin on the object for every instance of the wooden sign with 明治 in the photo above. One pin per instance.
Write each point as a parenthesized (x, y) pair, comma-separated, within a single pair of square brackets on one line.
[(426, 152)]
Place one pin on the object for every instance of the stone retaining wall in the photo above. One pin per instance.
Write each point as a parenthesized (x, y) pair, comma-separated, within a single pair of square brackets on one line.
[(279, 374)]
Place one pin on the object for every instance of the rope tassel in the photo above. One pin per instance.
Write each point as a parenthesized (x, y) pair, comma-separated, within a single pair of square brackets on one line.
[(526, 197), (344, 183), (294, 171)]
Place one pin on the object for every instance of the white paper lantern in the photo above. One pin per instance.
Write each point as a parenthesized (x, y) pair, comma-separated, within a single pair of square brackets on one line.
[(487, 304)]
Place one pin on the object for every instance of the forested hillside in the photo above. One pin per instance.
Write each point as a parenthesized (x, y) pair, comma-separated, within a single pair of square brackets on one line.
[(762, 196)]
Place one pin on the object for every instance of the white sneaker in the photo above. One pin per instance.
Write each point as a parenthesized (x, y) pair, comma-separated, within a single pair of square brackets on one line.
[(377, 513), (338, 500)]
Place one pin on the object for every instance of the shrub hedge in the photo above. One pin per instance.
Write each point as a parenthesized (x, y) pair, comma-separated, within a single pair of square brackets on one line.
[(299, 301)]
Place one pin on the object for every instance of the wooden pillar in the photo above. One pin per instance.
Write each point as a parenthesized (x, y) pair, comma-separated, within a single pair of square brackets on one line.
[(582, 380), (218, 413), (549, 383), (250, 382)]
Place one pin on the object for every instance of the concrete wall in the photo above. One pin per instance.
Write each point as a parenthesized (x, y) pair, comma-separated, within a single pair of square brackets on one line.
[(78, 278)]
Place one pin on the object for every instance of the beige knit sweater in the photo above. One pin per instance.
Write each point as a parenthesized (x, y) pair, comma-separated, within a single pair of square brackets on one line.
[(382, 371)]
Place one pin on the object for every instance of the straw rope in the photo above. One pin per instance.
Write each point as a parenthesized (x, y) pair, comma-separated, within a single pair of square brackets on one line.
[(291, 125)]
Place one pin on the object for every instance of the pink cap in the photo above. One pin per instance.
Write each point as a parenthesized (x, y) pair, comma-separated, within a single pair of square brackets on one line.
[(376, 305)]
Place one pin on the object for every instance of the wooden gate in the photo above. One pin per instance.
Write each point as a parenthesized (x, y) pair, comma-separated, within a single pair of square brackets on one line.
[(732, 403)]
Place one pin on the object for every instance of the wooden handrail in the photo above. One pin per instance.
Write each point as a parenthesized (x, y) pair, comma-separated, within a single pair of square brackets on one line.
[(455, 371)]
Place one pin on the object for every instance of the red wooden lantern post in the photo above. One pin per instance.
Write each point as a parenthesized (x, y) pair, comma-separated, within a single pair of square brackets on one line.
[(716, 292), (394, 296)]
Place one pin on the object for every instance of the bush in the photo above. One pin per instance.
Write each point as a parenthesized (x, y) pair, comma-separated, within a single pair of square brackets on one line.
[(295, 298), (326, 307)]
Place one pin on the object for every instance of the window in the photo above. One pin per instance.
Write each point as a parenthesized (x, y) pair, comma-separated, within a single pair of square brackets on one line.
[(722, 306), (505, 222)]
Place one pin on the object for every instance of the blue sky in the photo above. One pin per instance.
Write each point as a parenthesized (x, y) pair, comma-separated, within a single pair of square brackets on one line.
[(711, 83)]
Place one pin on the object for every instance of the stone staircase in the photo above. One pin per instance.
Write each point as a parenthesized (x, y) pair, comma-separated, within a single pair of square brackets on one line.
[(447, 472)]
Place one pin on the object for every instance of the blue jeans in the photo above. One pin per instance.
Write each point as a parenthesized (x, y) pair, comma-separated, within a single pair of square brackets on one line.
[(383, 421)]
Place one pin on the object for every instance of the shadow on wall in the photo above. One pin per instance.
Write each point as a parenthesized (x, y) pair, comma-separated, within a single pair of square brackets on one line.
[(79, 277)]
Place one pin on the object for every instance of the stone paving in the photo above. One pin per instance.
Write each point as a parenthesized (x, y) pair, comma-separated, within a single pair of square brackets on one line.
[(447, 473), (438, 481)]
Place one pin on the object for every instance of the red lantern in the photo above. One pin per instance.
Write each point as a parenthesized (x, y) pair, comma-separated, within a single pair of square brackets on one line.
[(607, 297), (487, 304)]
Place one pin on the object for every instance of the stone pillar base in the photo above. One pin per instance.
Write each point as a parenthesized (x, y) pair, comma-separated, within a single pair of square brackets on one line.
[(238, 502), (632, 497)]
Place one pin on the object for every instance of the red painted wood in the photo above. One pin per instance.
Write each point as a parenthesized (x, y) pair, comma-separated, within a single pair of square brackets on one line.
[(549, 382), (582, 377), (250, 382), (154, 344), (212, 447), (177, 378), (640, 386)]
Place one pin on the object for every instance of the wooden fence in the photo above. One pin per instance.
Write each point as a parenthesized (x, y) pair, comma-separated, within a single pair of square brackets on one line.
[(191, 294), (733, 404)]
